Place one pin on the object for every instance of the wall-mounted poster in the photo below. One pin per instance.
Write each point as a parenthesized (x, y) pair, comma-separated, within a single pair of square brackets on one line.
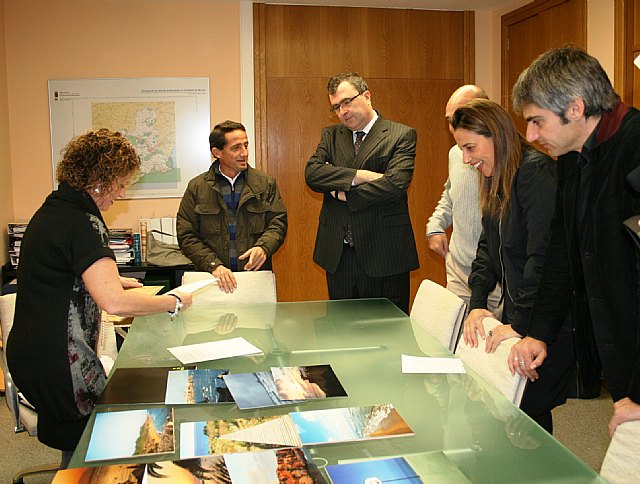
[(166, 120)]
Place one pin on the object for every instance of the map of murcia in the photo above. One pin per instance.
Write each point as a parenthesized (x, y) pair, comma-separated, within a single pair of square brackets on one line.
[(151, 129)]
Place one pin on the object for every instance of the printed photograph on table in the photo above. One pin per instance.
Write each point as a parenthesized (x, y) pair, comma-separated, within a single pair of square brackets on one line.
[(129, 433), (255, 390), (307, 382), (197, 386), (349, 424), (137, 385), (396, 470), (198, 439), (281, 466)]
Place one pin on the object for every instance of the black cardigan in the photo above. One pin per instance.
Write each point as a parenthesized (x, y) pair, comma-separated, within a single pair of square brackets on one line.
[(512, 252)]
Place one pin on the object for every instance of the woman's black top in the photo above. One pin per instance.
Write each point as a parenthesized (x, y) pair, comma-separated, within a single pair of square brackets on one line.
[(51, 349)]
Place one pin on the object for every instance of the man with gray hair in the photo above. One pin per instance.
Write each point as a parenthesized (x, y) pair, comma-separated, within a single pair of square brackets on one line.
[(364, 166), (459, 206), (590, 269)]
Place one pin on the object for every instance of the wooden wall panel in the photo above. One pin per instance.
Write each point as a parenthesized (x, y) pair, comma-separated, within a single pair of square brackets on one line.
[(292, 136), (534, 29), (391, 43), (635, 51), (412, 60)]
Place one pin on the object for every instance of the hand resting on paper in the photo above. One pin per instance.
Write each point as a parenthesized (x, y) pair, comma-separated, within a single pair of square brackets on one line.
[(226, 279)]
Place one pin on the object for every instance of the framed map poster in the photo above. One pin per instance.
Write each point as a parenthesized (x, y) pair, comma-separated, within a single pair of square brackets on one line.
[(166, 119)]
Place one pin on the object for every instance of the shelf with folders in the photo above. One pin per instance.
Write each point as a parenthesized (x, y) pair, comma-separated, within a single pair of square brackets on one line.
[(16, 231), (121, 242)]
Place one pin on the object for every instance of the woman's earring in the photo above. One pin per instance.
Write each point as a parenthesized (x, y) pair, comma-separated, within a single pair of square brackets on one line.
[(96, 190)]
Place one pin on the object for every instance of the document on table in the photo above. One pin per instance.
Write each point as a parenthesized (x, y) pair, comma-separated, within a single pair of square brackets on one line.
[(214, 350), (192, 287), (419, 364), (254, 287)]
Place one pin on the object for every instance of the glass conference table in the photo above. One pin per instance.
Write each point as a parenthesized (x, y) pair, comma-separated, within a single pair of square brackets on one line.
[(465, 431)]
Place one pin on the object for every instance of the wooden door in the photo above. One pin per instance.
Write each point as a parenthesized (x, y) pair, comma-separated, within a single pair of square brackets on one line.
[(627, 75), (412, 61), (534, 29)]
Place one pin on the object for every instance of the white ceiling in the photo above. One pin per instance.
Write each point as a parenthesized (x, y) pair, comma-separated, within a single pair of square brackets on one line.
[(475, 5)]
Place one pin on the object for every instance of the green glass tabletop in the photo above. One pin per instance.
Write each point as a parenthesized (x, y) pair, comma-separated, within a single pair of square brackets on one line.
[(465, 431)]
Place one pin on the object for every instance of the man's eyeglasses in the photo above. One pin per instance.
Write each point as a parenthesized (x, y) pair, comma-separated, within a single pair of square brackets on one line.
[(345, 103)]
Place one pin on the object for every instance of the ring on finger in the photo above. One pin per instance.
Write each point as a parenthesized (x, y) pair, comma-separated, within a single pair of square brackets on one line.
[(515, 358), (521, 363), (490, 333)]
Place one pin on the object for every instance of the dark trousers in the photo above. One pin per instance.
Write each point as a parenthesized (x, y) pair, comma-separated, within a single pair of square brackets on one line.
[(556, 375), (350, 281)]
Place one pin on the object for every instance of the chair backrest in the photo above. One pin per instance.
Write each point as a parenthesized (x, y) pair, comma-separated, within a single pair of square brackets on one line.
[(439, 311), (24, 418), (621, 463), (7, 310), (493, 366)]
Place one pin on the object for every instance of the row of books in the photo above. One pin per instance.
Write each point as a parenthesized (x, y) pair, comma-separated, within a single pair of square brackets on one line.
[(127, 245), (121, 242), (16, 231)]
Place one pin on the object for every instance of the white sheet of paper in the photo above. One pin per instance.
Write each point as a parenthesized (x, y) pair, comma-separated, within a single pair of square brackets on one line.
[(421, 364), (192, 287), (637, 62), (214, 350)]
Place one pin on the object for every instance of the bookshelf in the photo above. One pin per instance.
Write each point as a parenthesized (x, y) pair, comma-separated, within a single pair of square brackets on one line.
[(169, 277)]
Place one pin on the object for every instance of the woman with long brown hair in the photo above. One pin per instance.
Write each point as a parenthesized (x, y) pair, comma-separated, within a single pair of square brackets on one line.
[(517, 197)]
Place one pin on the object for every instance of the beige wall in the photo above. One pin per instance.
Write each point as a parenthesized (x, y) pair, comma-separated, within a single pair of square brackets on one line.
[(600, 33), (120, 38), (488, 48), (6, 190)]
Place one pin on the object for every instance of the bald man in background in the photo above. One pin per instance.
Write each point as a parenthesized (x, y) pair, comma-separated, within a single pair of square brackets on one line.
[(459, 206)]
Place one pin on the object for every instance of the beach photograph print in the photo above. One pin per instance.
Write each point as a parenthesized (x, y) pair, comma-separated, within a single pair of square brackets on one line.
[(349, 424), (119, 435), (290, 465), (255, 390), (198, 439), (307, 382), (395, 470), (197, 386)]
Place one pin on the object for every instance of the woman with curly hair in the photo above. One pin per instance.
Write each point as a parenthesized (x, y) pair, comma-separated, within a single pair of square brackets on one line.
[(67, 274)]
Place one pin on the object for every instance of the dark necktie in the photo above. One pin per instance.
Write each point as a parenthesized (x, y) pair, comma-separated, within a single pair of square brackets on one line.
[(358, 142), (348, 235)]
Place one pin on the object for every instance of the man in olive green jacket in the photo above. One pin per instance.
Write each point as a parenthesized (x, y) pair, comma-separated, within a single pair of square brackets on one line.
[(231, 218)]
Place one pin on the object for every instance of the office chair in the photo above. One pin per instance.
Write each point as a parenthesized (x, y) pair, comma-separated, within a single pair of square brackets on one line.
[(621, 463), (24, 417), (439, 311), (493, 366)]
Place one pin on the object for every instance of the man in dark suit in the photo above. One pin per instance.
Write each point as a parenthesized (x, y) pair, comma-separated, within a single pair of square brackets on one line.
[(364, 167)]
